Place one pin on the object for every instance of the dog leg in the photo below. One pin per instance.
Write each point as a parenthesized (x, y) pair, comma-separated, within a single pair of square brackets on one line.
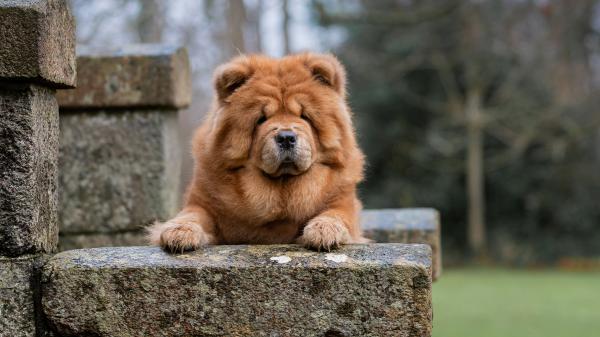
[(334, 227), (191, 229)]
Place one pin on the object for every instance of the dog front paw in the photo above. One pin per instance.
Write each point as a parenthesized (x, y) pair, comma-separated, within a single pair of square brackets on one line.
[(324, 232), (177, 237)]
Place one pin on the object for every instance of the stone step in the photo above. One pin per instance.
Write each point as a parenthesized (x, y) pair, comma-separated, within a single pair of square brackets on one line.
[(406, 225), (409, 225), (279, 290)]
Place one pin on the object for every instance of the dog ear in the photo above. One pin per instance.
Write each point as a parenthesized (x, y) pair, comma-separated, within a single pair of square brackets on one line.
[(229, 77), (231, 139), (326, 69)]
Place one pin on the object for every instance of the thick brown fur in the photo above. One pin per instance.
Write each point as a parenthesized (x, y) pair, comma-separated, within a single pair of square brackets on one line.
[(241, 192)]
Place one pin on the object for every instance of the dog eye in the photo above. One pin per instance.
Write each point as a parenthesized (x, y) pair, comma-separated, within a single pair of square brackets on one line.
[(320, 78), (261, 120)]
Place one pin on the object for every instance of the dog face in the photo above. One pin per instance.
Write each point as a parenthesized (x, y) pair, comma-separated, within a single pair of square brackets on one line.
[(281, 116), (285, 144)]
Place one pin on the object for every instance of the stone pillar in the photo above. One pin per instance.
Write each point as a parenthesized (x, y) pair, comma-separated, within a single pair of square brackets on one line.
[(37, 55), (120, 155)]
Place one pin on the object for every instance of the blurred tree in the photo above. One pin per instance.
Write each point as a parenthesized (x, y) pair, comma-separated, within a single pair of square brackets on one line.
[(285, 23), (570, 24), (150, 21), (236, 19), (254, 21), (473, 80)]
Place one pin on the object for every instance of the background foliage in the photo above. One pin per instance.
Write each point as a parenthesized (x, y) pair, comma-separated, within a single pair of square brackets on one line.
[(418, 70)]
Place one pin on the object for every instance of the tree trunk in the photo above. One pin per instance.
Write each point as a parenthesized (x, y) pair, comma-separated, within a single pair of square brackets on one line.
[(475, 176), (150, 21), (286, 27), (236, 15), (570, 27), (254, 22)]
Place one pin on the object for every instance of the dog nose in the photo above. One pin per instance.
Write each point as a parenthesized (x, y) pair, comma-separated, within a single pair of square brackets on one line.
[(286, 139)]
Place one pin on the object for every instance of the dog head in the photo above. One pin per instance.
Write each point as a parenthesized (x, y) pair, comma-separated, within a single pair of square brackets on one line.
[(281, 116)]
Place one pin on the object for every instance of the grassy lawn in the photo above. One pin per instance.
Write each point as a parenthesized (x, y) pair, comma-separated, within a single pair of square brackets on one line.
[(500, 302)]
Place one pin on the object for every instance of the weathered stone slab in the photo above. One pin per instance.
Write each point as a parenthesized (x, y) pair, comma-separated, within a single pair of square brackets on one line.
[(410, 225), (146, 75), (119, 170), (284, 290), (18, 292), (93, 240), (28, 170), (37, 42)]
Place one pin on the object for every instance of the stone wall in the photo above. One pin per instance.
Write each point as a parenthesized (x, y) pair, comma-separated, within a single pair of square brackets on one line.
[(37, 55), (409, 225), (360, 290), (120, 154)]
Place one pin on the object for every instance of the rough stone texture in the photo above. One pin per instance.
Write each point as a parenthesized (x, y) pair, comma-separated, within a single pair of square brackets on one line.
[(410, 225), (148, 75), (379, 290), (120, 155), (119, 170), (28, 170), (37, 42), (19, 293), (78, 241)]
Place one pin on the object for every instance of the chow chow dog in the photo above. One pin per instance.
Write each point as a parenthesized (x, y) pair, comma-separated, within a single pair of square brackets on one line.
[(276, 160)]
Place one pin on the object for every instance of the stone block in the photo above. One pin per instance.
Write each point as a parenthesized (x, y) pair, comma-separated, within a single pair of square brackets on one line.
[(281, 290), (145, 75), (37, 42), (19, 293), (410, 225), (119, 170), (92, 240), (28, 170)]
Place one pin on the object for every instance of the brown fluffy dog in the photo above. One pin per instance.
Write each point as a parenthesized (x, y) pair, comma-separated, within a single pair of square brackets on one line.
[(276, 159)]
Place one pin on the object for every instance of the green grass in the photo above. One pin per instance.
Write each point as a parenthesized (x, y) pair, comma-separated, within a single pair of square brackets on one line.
[(499, 302)]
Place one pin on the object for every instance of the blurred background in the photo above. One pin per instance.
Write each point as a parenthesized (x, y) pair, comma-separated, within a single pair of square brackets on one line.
[(484, 110)]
